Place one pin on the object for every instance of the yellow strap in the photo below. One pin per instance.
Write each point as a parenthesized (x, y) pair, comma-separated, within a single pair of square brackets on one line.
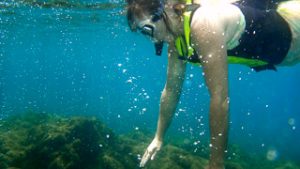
[(241, 61), (245, 61), (185, 50), (187, 31), (178, 46)]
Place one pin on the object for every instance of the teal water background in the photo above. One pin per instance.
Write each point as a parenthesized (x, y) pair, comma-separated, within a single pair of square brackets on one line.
[(80, 58)]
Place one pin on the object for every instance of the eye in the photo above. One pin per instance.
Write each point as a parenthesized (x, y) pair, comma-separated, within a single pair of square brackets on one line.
[(156, 17)]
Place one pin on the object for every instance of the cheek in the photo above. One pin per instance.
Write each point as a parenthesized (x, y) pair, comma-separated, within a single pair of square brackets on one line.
[(161, 32)]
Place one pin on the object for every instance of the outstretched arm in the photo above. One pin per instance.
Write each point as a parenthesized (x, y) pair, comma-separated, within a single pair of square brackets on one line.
[(171, 92), (213, 54), (168, 102)]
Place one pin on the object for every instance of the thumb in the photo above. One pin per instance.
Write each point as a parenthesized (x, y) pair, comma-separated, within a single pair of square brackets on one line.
[(154, 154)]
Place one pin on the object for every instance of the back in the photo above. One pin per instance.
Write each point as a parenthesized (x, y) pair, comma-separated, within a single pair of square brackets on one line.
[(267, 36)]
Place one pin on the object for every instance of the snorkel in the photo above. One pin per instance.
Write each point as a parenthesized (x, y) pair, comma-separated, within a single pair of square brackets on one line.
[(158, 47)]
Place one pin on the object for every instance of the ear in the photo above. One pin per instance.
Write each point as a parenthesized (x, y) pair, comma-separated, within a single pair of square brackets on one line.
[(179, 8)]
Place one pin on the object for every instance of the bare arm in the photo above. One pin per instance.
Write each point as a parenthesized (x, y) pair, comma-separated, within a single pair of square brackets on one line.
[(171, 92), (168, 102), (210, 44)]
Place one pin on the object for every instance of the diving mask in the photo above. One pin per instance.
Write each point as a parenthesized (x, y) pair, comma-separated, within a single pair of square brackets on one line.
[(147, 27)]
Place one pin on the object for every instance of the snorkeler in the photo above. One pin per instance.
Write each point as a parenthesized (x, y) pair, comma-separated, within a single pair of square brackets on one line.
[(214, 33)]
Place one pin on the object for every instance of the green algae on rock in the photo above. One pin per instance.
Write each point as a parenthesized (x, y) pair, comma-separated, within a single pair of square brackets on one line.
[(35, 141), (47, 141)]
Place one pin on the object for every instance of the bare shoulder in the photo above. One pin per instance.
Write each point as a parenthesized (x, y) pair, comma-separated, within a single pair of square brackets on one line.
[(216, 15), (224, 21)]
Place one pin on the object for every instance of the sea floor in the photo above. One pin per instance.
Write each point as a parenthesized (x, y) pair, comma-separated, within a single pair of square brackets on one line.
[(39, 141)]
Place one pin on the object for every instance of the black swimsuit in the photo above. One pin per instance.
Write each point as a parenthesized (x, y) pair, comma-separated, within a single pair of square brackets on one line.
[(267, 37)]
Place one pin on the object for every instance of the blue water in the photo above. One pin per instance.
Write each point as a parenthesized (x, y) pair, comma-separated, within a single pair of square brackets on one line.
[(82, 60)]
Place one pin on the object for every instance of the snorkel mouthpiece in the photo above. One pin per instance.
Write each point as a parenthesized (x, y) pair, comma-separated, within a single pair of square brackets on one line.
[(148, 30), (158, 47)]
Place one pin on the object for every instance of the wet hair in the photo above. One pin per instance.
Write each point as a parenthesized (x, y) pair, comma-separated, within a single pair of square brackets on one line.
[(138, 8)]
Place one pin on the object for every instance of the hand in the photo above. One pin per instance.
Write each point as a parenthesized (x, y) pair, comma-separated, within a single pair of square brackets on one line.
[(151, 151)]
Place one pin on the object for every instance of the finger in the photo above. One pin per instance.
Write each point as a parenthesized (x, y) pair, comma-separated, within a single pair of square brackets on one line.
[(153, 155), (146, 155), (145, 158), (144, 161)]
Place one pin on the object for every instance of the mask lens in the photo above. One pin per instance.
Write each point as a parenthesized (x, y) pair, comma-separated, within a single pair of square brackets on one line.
[(156, 18)]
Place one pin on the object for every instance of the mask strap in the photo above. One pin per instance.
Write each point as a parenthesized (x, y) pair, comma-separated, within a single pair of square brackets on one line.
[(158, 14)]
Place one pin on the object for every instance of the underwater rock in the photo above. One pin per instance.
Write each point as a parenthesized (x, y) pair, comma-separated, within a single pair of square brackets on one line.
[(170, 157), (175, 158), (36, 141), (40, 141), (288, 165)]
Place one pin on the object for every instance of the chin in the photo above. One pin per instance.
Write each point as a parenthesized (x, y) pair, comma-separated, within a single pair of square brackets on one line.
[(169, 39)]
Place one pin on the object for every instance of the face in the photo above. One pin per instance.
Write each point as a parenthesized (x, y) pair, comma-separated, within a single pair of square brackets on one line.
[(153, 27)]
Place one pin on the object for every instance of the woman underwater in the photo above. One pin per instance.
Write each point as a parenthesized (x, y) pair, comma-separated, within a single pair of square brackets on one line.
[(214, 33)]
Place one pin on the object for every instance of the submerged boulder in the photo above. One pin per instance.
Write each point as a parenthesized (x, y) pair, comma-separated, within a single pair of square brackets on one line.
[(169, 157), (36, 141), (47, 141)]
